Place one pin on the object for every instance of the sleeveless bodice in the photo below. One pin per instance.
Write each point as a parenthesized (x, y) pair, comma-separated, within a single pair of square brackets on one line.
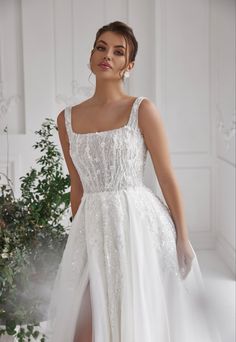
[(109, 160)]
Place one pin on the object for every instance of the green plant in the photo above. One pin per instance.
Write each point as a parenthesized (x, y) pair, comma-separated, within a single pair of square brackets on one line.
[(32, 239)]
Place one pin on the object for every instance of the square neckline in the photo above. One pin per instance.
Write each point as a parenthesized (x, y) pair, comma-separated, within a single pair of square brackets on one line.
[(107, 131)]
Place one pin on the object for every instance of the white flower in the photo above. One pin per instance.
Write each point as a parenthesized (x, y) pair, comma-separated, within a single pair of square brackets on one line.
[(4, 255)]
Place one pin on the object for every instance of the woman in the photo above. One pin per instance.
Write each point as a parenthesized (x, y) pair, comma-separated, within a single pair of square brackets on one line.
[(128, 272)]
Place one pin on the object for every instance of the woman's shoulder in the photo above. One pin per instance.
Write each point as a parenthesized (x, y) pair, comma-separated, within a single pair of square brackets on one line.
[(148, 113), (145, 105)]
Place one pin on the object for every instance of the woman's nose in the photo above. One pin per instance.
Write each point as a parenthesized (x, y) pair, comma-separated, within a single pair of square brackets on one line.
[(107, 54), (107, 57)]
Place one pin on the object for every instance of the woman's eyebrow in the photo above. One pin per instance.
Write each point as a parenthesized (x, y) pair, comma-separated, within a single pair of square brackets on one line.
[(121, 46)]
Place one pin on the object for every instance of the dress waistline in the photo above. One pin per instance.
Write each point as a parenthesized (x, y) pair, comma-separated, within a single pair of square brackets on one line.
[(88, 193)]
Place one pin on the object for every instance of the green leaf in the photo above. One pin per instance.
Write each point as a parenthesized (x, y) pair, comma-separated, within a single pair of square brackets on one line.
[(32, 224)]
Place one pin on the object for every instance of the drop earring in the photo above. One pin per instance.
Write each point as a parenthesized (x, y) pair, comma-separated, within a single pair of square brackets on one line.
[(126, 74)]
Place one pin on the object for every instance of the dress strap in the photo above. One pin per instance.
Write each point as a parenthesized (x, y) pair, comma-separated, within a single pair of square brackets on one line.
[(133, 121), (67, 112)]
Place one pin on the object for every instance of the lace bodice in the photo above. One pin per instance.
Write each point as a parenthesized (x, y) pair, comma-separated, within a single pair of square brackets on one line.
[(109, 160)]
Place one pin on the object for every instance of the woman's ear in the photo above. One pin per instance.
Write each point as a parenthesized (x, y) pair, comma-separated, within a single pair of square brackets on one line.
[(131, 65)]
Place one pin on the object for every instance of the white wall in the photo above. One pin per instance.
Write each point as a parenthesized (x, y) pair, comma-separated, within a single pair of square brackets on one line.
[(223, 93), (185, 64)]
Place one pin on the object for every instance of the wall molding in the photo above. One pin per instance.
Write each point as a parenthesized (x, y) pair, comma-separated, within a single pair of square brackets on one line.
[(226, 252)]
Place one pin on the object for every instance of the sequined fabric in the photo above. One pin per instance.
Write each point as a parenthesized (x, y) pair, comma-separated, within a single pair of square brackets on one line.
[(123, 241), (109, 160)]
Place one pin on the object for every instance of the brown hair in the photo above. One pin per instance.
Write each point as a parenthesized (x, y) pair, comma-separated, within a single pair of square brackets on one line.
[(127, 32)]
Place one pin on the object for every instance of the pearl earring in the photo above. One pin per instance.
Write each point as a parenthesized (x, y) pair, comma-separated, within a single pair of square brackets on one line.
[(126, 74)]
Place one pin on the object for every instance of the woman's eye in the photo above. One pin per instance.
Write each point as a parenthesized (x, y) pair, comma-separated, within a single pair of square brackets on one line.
[(102, 47)]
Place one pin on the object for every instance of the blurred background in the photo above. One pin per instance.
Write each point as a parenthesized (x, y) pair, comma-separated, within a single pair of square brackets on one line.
[(185, 64)]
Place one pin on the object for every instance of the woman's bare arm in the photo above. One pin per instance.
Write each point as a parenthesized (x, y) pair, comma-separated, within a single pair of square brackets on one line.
[(155, 138), (76, 191)]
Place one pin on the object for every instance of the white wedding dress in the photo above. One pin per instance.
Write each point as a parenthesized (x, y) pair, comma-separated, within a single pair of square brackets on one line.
[(123, 241)]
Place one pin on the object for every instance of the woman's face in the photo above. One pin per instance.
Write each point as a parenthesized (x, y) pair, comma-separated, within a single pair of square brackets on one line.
[(110, 48)]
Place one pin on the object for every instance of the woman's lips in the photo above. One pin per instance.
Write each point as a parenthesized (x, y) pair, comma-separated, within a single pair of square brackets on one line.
[(103, 66)]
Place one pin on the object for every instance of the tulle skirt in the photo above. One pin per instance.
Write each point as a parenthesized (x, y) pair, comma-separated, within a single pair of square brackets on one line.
[(124, 244)]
